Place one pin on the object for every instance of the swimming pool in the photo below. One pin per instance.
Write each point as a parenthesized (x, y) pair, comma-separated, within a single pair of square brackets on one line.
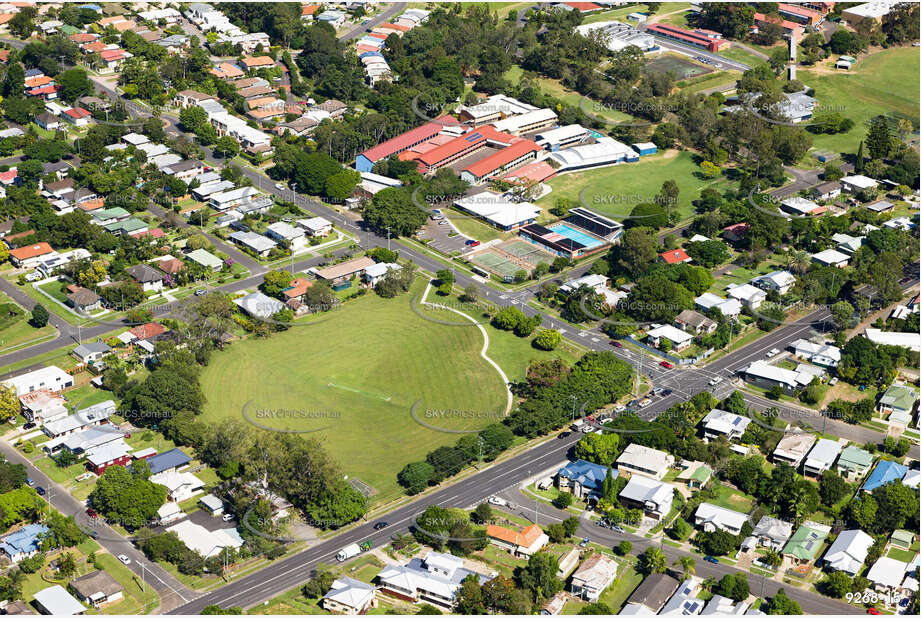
[(583, 239)]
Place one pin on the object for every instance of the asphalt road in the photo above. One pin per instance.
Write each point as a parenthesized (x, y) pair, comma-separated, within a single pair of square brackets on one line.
[(381, 18)]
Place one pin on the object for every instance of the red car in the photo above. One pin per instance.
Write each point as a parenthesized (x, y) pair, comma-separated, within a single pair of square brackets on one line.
[(667, 365), (91, 513), (615, 343), (873, 611)]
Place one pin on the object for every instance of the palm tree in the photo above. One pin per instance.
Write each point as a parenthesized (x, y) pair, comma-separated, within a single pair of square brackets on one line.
[(687, 565), (798, 261)]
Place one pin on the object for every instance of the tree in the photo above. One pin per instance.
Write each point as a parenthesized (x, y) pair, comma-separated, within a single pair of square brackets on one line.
[(198, 241), (538, 576), (686, 563), (127, 496), (597, 609), (40, 316), (227, 147), (780, 604), (9, 403), (548, 339), (716, 543), (859, 159), (879, 137), (832, 488), (836, 584), (340, 185), (734, 586), (275, 281), (483, 513), (708, 253), (623, 548), (74, 84), (469, 599), (416, 476), (563, 500), (653, 560), (598, 448), (636, 251), (393, 208)]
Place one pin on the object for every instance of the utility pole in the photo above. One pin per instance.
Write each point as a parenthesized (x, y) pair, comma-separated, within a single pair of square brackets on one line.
[(480, 443), (388, 239)]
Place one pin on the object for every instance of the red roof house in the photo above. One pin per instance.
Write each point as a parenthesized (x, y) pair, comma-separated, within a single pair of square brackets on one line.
[(678, 256)]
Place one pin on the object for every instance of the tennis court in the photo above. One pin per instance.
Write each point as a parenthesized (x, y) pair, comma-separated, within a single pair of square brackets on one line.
[(496, 264), (523, 250)]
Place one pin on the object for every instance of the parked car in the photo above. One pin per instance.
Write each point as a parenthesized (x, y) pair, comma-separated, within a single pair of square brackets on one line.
[(833, 381), (584, 542), (666, 392), (617, 528), (92, 513), (279, 186), (773, 352), (469, 242), (711, 559), (667, 365), (615, 343), (497, 501), (607, 420), (227, 517), (475, 243), (442, 223), (30, 482), (620, 408), (716, 380), (563, 435), (658, 391), (124, 559), (381, 525), (40, 490), (200, 292), (645, 402)]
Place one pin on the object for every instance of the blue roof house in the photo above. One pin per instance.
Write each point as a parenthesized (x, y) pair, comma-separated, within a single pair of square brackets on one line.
[(24, 543), (581, 478), (884, 473), (167, 460)]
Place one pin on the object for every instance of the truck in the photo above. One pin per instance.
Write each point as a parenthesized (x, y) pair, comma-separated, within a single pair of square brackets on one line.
[(350, 551)]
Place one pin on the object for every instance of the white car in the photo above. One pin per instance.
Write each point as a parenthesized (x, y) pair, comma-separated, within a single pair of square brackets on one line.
[(620, 408), (279, 186), (606, 421), (124, 559), (774, 352), (716, 380), (645, 402), (833, 381), (227, 517), (496, 500)]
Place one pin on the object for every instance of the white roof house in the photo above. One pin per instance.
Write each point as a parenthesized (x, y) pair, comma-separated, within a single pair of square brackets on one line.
[(676, 336), (519, 123), (822, 456), (496, 106), (857, 182), (722, 423), (799, 206), (792, 448), (349, 594), (912, 341), (849, 551), (259, 305), (498, 210), (206, 259), (554, 138), (773, 532), (316, 225), (257, 242), (748, 295), (52, 378), (206, 542), (653, 496), (728, 307), (819, 353), (887, 573), (780, 280), (135, 139), (639, 459), (595, 282), (55, 600), (685, 601), (285, 231), (770, 375), (831, 257), (713, 517)]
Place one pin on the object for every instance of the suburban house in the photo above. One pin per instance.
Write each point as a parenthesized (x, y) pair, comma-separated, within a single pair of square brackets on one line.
[(258, 305), (97, 589), (82, 419), (695, 473), (773, 533), (206, 542), (712, 517), (285, 232), (848, 552), (831, 257), (903, 539), (686, 601), (23, 543), (651, 595), (780, 281), (677, 256), (848, 244), (694, 322), (349, 596), (898, 402), (792, 448), (827, 190), (719, 423), (93, 351), (678, 339), (375, 274), (887, 574), (747, 294), (885, 472), (581, 478), (316, 226), (823, 354), (180, 486), (854, 462), (340, 273), (206, 259), (804, 545), (909, 340), (645, 461), (521, 544), (434, 578), (822, 457), (257, 243), (173, 459), (42, 406), (150, 278), (28, 256), (649, 494), (857, 183), (56, 601), (593, 577), (763, 374), (116, 453), (729, 307)]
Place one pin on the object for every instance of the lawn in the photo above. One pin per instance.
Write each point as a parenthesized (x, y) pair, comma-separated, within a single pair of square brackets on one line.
[(137, 600), (616, 190), (903, 555), (741, 55), (356, 391), (732, 499), (14, 325), (570, 97), (864, 92)]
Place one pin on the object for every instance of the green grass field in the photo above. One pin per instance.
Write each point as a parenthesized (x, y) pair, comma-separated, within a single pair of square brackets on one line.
[(570, 97), (616, 190), (357, 377), (866, 91)]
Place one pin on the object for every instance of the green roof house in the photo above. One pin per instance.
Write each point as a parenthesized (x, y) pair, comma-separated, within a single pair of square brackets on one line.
[(898, 400), (854, 462), (902, 539), (804, 545), (127, 227), (696, 474)]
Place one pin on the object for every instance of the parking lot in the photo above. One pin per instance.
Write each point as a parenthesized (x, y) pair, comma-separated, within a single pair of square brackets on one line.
[(439, 236)]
